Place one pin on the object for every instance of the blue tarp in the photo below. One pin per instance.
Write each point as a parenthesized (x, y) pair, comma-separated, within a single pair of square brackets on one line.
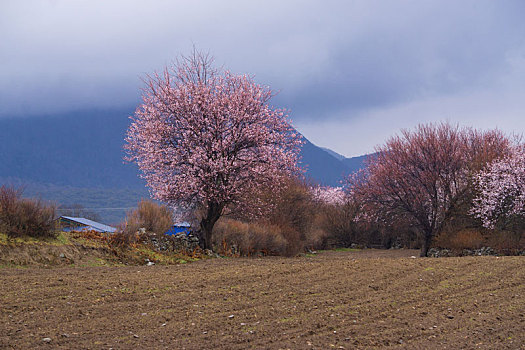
[(178, 228)]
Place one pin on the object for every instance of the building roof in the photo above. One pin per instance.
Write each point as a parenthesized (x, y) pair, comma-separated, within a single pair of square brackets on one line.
[(96, 225), (183, 224)]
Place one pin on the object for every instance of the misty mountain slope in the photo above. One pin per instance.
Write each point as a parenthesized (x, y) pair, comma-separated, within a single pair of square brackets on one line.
[(333, 153), (77, 149), (321, 167), (77, 158), (355, 163), (84, 149)]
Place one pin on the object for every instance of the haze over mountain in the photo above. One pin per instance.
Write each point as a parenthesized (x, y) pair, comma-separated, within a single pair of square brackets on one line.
[(78, 158)]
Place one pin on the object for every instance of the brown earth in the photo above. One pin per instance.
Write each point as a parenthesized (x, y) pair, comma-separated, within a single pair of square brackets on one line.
[(368, 299)]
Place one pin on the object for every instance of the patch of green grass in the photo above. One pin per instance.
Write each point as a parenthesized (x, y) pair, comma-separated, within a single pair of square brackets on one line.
[(162, 258), (444, 284), (63, 238), (337, 308), (347, 249), (60, 239), (340, 250), (134, 254)]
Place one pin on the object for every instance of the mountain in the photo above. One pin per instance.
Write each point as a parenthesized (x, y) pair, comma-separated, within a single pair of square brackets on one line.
[(321, 167), (78, 158), (82, 149), (335, 154)]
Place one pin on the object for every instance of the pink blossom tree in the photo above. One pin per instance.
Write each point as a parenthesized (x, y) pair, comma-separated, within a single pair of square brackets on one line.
[(205, 137), (422, 176), (501, 189), (329, 195)]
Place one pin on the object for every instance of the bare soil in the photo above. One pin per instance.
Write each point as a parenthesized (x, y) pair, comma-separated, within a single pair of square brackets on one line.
[(345, 300)]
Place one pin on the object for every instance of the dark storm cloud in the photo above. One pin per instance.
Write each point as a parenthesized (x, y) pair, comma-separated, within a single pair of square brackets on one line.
[(437, 50), (333, 62)]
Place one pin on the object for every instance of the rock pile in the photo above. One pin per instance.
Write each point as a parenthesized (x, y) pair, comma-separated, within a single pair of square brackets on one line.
[(179, 242), (481, 251), (439, 253), (188, 242), (443, 252)]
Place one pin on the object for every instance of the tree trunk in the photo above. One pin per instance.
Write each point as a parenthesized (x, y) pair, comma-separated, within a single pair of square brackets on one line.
[(427, 241), (213, 214)]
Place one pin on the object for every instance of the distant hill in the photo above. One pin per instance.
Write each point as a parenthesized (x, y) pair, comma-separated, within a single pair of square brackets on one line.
[(82, 149), (323, 168), (77, 158), (333, 153)]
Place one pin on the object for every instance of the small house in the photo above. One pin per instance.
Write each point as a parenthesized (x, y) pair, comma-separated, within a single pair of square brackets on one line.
[(68, 224)]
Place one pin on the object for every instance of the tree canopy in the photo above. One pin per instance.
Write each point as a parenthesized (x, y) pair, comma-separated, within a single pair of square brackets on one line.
[(421, 176), (204, 136)]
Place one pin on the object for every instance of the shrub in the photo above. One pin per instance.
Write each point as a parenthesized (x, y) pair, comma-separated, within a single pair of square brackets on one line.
[(123, 239), (339, 222), (240, 238), (295, 213), (285, 221), (25, 217), (460, 239), (151, 216), (506, 242), (294, 208)]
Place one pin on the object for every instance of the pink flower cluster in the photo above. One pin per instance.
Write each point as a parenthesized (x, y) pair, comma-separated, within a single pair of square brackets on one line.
[(501, 189), (329, 195), (203, 136)]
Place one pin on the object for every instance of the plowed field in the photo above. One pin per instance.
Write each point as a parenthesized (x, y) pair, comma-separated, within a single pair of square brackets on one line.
[(341, 300)]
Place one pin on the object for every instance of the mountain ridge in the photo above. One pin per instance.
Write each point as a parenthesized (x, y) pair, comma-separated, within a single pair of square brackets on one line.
[(84, 150)]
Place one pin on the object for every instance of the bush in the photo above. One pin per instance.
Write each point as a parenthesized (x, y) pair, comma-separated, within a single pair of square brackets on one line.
[(123, 239), (461, 239), (151, 216), (234, 237), (25, 217), (340, 224), (506, 242), (295, 214), (285, 221)]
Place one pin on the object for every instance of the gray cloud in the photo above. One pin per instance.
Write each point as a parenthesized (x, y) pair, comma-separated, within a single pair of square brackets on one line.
[(334, 62)]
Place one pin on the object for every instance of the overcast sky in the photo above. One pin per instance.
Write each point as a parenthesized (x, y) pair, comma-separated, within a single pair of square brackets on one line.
[(352, 73)]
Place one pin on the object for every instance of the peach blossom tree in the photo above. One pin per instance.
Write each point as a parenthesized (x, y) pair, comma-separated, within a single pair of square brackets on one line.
[(204, 137), (501, 189), (422, 176), (329, 195)]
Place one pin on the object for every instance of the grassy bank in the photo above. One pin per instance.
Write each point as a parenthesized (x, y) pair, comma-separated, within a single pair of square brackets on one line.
[(78, 249)]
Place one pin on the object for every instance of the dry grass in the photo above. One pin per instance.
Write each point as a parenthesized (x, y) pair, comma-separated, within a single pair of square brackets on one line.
[(151, 216), (463, 239)]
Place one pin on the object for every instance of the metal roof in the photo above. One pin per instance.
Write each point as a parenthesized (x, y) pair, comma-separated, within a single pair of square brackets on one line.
[(96, 225), (183, 224)]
